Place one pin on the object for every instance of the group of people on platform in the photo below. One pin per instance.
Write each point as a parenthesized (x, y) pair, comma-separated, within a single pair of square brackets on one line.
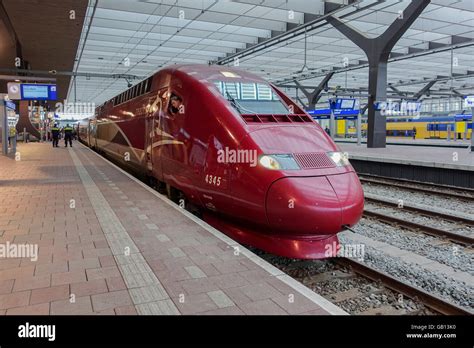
[(67, 131)]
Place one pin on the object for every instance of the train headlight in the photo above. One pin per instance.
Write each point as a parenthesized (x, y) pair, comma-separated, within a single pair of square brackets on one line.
[(279, 162), (341, 159)]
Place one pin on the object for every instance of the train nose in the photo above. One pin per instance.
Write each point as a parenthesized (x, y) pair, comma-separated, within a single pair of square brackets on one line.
[(314, 205)]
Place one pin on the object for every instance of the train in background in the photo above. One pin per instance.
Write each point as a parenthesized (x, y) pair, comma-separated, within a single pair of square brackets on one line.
[(238, 151), (428, 127)]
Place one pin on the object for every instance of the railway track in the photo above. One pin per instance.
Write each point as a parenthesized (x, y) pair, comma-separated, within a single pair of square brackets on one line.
[(424, 212), (363, 290), (444, 190), (431, 301), (422, 228)]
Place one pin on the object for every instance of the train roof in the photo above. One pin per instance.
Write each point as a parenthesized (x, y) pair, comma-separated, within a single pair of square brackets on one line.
[(216, 73)]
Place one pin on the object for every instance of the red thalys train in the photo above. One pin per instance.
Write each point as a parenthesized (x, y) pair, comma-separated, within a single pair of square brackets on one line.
[(238, 149)]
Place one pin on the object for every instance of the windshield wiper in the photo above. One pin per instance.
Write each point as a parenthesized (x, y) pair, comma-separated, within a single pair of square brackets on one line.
[(237, 105), (233, 102)]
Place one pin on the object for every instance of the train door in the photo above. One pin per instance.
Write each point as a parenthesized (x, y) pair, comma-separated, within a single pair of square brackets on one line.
[(176, 140), (93, 134), (154, 129)]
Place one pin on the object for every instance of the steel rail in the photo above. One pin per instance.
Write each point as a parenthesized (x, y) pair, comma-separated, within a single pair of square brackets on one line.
[(422, 211), (454, 237), (429, 300)]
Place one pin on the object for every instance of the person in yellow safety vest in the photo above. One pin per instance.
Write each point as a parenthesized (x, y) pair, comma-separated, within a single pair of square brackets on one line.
[(55, 134), (68, 135)]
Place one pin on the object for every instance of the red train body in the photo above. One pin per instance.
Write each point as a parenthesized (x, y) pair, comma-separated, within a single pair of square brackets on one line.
[(258, 167)]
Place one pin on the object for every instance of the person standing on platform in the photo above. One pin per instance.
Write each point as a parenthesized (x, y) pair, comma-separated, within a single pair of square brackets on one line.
[(68, 135), (327, 130), (414, 133), (55, 135)]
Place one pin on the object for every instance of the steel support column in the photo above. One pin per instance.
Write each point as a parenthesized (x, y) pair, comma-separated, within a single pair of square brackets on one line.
[(314, 96), (378, 51)]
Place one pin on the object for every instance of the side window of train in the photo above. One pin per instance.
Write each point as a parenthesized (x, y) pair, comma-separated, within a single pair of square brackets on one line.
[(176, 105)]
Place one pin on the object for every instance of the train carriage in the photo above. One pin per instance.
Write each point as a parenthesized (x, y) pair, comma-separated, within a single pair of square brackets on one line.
[(239, 151)]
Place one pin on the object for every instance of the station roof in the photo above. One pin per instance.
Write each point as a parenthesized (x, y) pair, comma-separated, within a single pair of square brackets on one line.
[(137, 38), (47, 36)]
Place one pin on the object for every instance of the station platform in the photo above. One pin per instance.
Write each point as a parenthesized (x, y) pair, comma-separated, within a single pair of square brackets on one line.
[(440, 165), (108, 244), (414, 142)]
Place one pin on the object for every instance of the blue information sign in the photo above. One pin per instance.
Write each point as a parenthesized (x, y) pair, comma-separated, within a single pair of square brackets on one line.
[(341, 105), (38, 92), (9, 104), (324, 114)]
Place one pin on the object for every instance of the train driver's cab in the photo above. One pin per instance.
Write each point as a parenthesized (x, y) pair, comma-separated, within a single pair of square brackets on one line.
[(176, 105)]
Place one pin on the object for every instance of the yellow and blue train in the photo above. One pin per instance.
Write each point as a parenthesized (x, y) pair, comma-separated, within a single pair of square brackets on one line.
[(428, 127)]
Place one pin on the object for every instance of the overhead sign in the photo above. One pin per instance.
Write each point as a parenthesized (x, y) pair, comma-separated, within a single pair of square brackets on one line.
[(341, 105), (31, 91), (325, 114), (469, 101), (38, 92)]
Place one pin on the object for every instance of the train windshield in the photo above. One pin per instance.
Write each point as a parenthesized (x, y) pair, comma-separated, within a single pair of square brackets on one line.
[(252, 98)]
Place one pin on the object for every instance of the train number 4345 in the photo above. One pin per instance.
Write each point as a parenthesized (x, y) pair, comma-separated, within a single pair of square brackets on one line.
[(213, 180)]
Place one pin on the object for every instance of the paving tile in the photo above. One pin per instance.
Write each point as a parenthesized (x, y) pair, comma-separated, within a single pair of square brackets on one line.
[(83, 264), (28, 283), (237, 296), (198, 285), (295, 303), (259, 291), (38, 309), (224, 311), (6, 286), (195, 272), (17, 272), (176, 252), (110, 300), (232, 280), (220, 299), (54, 267), (51, 294), (164, 307), (90, 287), (163, 238), (115, 283), (82, 305), (102, 273), (71, 277), (148, 294), (106, 261), (230, 266), (263, 307), (197, 303), (125, 310), (151, 226), (15, 299)]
